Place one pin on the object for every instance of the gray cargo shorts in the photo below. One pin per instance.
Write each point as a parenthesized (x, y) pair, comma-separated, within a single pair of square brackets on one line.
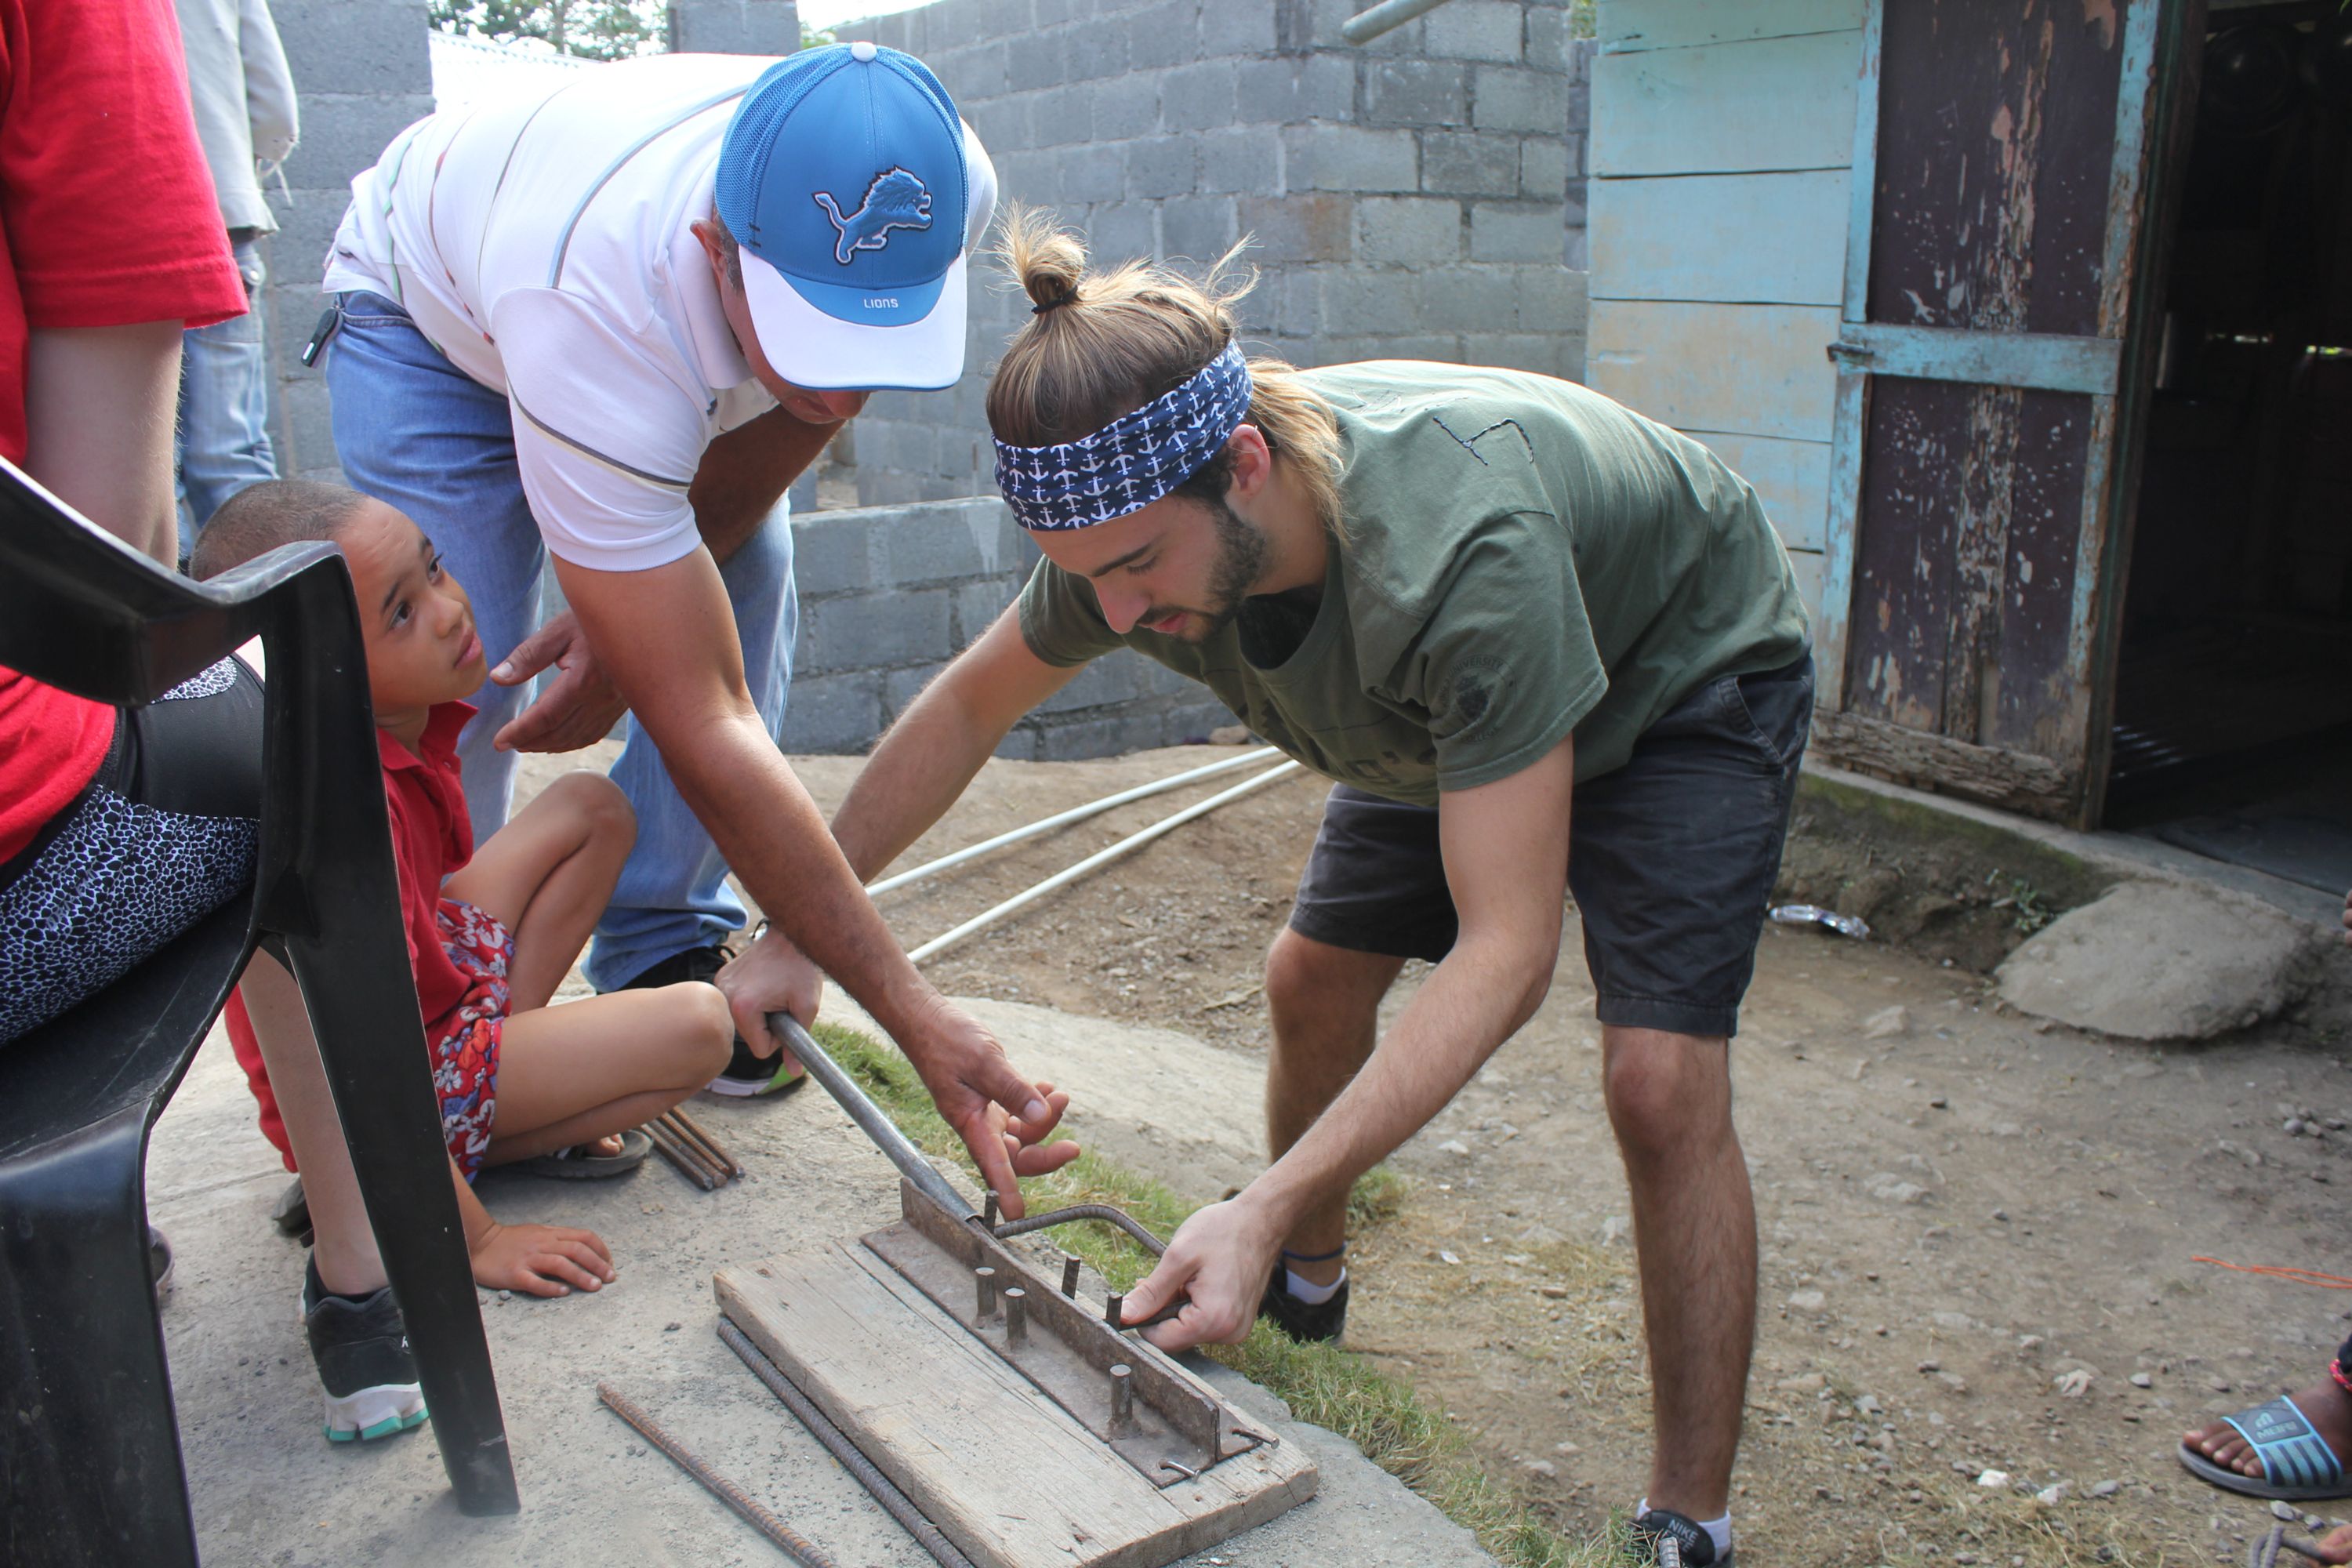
[(1671, 859)]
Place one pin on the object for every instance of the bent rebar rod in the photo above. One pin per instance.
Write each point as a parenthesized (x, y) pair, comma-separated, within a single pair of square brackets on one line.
[(1103, 1212)]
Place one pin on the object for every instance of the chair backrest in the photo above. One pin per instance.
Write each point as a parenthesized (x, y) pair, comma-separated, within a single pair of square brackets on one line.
[(82, 611)]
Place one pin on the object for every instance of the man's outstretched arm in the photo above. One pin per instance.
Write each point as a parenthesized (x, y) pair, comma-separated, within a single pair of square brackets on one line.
[(667, 637), (1505, 849), (919, 769), (923, 765)]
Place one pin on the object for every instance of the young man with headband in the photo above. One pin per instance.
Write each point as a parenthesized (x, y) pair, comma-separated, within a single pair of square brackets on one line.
[(611, 322), (1538, 643)]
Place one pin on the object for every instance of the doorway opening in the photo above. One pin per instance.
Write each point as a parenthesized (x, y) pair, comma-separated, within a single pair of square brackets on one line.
[(2233, 685)]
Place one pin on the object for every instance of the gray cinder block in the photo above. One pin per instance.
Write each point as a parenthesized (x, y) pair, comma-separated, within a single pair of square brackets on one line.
[(1470, 164), (1409, 230), (1475, 30), (1515, 231), (1513, 98)]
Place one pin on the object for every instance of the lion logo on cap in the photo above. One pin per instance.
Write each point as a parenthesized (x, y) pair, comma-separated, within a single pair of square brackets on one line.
[(897, 199)]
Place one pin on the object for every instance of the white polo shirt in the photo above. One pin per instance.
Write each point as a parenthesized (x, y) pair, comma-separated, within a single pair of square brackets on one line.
[(544, 245)]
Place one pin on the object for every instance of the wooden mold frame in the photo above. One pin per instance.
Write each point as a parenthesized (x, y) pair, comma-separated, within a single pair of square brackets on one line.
[(1010, 1450)]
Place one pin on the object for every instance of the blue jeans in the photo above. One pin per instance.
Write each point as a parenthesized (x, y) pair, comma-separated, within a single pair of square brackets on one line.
[(416, 432), (223, 441)]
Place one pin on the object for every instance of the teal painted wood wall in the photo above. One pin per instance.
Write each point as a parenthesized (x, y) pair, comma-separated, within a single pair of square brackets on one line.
[(1722, 145)]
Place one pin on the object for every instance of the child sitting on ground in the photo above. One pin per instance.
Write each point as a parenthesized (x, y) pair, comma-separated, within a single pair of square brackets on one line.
[(491, 931)]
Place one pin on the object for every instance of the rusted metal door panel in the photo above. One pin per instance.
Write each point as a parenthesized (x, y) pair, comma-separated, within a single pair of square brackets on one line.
[(1966, 625), (1997, 133), (2002, 154)]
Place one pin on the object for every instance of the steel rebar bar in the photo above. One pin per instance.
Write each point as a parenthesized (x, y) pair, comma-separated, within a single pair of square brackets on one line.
[(687, 1165), (837, 1442), (794, 1544), (696, 1133)]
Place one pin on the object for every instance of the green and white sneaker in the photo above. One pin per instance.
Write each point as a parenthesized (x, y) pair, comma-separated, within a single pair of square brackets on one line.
[(360, 1348)]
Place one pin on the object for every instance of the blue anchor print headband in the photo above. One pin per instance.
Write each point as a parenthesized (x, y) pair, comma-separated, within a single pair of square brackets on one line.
[(1133, 460)]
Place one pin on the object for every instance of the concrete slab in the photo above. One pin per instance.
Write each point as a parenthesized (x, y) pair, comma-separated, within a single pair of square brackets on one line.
[(269, 1489)]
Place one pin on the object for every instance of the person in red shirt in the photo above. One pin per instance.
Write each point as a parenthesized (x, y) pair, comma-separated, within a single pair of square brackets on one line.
[(95, 123), (118, 829), (492, 931)]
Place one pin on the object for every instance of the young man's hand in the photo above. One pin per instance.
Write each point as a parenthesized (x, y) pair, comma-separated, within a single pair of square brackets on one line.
[(541, 1259), (1221, 1258)]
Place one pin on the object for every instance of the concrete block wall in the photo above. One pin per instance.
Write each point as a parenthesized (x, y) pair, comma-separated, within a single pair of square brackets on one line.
[(1423, 198), (361, 70), (888, 595)]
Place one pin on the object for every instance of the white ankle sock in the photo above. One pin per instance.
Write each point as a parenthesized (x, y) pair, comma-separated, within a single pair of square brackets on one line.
[(1717, 1529), (1307, 1291)]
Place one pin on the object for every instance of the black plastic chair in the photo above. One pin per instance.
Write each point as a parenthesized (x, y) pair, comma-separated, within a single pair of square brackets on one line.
[(89, 1455)]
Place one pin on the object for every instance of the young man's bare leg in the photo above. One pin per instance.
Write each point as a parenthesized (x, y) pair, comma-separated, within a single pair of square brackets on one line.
[(547, 876), (588, 1068), (1325, 1004), (1669, 1100), (345, 1245)]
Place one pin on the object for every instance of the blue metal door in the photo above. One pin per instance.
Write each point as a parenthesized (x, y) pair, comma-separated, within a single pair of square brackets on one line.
[(1993, 362)]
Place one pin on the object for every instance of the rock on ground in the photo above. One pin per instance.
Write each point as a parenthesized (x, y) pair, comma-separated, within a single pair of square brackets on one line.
[(2161, 961)]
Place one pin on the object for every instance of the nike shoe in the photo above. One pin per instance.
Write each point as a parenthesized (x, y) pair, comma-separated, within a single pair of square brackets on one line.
[(360, 1348), (746, 1075), (1306, 1322), (1666, 1538)]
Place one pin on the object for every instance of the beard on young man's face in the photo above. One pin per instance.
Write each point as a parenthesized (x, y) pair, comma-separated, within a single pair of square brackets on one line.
[(1241, 557)]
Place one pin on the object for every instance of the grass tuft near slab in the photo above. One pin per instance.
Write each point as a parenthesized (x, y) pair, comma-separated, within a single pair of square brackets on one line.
[(1332, 1388)]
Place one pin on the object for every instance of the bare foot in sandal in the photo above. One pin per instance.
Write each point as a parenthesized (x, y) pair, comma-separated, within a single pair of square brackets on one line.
[(2324, 1405)]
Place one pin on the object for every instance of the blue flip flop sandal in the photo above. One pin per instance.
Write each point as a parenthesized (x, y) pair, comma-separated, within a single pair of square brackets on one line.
[(2297, 1464)]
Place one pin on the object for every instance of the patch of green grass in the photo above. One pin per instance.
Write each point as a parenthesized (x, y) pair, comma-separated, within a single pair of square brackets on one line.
[(1380, 1413)]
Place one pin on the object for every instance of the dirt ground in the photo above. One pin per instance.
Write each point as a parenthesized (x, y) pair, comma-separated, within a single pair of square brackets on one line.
[(1979, 1233)]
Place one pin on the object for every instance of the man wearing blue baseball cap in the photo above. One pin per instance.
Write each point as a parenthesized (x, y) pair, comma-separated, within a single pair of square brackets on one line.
[(609, 322)]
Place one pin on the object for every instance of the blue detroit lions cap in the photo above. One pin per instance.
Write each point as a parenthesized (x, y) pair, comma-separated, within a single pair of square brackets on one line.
[(843, 177)]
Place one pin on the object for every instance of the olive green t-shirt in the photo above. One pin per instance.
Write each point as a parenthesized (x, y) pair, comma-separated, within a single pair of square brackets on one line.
[(1523, 560)]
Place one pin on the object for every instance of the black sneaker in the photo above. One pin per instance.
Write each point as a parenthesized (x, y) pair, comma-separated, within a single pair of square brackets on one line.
[(746, 1075), (1668, 1540), (361, 1348), (1306, 1322)]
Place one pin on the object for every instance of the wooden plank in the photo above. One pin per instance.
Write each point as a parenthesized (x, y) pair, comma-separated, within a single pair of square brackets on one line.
[(1002, 1470), (1777, 103), (1746, 369), (2015, 781), (1775, 239), (2043, 360), (1626, 26), (1791, 478)]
